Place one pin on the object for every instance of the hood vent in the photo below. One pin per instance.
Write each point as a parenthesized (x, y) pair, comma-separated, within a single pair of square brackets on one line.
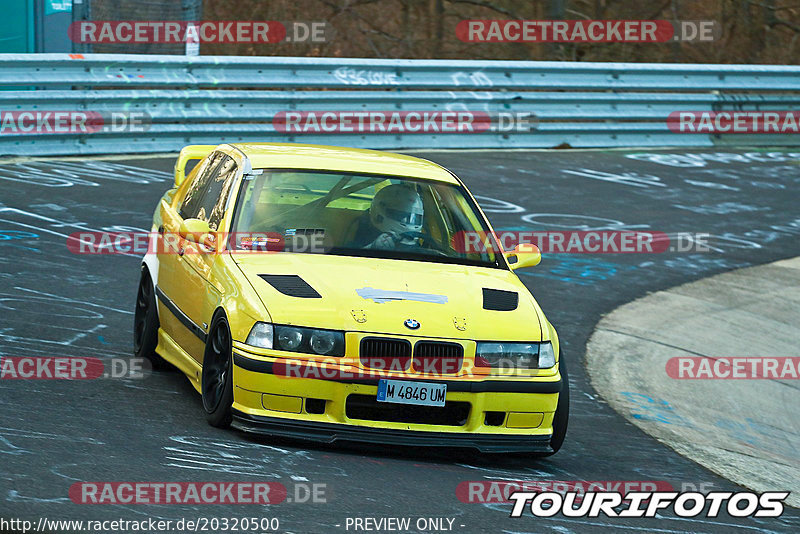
[(499, 300), (291, 285)]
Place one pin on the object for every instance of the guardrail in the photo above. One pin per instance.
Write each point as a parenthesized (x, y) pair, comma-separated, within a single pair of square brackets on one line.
[(206, 99)]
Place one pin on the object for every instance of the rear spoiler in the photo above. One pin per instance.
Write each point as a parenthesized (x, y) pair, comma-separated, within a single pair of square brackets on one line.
[(189, 153)]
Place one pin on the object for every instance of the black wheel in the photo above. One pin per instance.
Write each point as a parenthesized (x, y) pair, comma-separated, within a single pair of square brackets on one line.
[(217, 380), (145, 323), (561, 417)]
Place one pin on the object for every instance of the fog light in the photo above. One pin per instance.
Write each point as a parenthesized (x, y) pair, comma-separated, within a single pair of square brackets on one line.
[(494, 418), (524, 419), (315, 406)]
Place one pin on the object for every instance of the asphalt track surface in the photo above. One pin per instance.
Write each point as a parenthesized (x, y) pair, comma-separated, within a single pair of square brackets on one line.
[(52, 302)]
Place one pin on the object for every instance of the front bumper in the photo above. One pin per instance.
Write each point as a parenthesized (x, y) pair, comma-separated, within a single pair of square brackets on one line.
[(331, 433), (267, 403)]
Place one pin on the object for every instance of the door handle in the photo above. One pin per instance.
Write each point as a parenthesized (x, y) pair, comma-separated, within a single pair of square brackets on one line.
[(181, 251)]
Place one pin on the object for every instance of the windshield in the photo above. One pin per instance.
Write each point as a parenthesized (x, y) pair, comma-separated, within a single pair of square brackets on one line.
[(321, 212)]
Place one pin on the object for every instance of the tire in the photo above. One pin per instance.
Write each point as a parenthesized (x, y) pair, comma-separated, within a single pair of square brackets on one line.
[(561, 416), (217, 378), (145, 322)]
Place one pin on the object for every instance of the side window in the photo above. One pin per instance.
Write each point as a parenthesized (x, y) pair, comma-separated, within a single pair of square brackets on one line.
[(213, 205), (194, 195)]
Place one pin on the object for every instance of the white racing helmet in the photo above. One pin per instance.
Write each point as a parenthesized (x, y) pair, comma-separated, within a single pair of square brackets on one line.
[(397, 209)]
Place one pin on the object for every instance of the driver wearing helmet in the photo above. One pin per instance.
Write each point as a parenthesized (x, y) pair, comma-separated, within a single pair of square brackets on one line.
[(394, 219)]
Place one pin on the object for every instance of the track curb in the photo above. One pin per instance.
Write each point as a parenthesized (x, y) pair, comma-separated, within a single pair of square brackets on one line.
[(747, 431)]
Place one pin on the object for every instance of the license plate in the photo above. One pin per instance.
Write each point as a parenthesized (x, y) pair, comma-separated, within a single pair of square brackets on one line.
[(408, 392)]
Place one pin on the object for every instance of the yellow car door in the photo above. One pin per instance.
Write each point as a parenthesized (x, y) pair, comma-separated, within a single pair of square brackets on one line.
[(180, 288), (201, 297)]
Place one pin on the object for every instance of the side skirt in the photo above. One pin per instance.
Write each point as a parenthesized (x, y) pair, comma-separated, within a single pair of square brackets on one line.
[(174, 354)]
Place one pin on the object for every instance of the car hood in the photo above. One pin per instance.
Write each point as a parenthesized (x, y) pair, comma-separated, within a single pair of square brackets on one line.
[(379, 295)]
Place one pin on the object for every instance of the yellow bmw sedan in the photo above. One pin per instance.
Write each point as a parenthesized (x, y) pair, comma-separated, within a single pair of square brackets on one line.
[(336, 294)]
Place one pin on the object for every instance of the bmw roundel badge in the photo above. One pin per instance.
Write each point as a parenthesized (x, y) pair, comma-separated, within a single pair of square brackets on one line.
[(411, 323)]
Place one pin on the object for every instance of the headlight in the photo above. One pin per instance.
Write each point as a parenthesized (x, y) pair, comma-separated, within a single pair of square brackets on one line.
[(297, 339), (547, 357), (260, 335), (289, 338), (515, 355), (322, 342)]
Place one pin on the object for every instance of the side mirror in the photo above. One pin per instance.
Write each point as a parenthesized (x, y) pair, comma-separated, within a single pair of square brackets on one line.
[(524, 255), (196, 231), (187, 154)]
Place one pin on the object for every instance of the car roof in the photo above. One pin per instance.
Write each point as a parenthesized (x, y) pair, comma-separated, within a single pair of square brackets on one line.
[(334, 158)]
